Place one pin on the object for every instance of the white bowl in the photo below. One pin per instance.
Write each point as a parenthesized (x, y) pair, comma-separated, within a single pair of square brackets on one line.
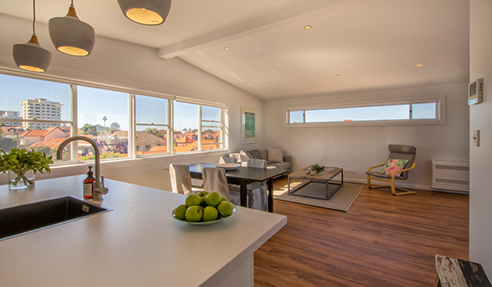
[(228, 166)]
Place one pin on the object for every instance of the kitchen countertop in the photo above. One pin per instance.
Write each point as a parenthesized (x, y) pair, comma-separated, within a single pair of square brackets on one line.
[(138, 243)]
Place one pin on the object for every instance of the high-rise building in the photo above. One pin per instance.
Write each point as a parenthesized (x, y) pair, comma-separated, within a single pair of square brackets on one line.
[(4, 115), (40, 109)]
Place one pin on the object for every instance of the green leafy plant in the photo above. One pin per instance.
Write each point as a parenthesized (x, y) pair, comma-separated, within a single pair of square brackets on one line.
[(21, 161), (317, 168)]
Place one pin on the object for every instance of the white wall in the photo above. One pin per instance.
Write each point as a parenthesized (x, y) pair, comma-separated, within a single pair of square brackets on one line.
[(481, 119), (361, 147), (132, 66)]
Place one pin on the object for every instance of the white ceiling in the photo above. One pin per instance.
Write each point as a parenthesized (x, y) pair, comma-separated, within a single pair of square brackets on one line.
[(353, 45)]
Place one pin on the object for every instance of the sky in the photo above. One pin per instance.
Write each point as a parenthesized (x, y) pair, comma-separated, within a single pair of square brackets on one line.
[(387, 112), (13, 90), (95, 104)]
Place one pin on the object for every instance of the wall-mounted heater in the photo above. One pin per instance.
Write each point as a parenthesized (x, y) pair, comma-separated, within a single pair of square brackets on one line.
[(451, 175)]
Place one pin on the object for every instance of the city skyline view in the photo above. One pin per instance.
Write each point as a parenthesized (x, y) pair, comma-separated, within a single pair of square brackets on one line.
[(93, 104), (103, 116)]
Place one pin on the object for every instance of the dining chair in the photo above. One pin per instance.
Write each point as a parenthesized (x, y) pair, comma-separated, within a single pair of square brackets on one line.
[(215, 179), (180, 178), (257, 191)]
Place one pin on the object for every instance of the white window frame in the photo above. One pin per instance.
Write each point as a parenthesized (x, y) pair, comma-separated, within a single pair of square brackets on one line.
[(440, 113), (134, 124), (74, 83), (223, 125)]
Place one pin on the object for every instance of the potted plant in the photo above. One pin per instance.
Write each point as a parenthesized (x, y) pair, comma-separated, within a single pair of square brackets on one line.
[(317, 168), (20, 163)]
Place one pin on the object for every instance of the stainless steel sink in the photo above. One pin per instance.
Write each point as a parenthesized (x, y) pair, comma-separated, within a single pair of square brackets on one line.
[(25, 218)]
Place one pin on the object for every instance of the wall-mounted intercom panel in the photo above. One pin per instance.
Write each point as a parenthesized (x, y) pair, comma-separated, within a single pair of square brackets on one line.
[(475, 91)]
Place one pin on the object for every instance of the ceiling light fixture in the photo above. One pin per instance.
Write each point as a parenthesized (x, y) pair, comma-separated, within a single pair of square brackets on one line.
[(420, 64), (31, 56), (146, 12), (226, 48), (307, 27), (70, 35)]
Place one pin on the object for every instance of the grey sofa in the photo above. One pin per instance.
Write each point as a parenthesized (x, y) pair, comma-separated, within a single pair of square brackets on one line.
[(263, 154)]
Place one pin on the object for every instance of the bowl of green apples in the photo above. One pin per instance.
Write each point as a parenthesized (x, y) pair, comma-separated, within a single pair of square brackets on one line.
[(204, 208)]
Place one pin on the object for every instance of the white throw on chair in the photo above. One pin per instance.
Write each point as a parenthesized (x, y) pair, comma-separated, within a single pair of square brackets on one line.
[(180, 178), (257, 191), (215, 179), (257, 163)]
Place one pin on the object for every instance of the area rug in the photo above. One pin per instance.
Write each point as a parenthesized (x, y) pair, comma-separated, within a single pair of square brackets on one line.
[(341, 200)]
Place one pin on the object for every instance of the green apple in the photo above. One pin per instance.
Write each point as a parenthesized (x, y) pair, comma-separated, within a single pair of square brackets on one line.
[(202, 195), (223, 198), (225, 208), (213, 199), (180, 211), (194, 213), (192, 199), (210, 213)]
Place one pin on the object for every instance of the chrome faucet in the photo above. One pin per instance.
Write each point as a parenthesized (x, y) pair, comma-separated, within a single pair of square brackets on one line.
[(99, 188)]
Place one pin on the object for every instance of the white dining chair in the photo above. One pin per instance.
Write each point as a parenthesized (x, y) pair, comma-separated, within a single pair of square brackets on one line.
[(257, 163), (257, 191), (180, 178), (215, 179)]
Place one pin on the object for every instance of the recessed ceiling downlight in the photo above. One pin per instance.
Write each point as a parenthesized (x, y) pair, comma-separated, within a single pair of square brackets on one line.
[(307, 27), (420, 64)]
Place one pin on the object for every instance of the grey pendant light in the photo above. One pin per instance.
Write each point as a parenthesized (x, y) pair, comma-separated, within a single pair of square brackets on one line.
[(70, 35), (31, 56), (146, 12)]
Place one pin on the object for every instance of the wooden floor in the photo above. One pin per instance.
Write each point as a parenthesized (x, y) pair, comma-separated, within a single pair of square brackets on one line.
[(383, 240)]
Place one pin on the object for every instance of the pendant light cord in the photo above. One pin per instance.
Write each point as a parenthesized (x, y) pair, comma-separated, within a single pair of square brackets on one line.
[(33, 17)]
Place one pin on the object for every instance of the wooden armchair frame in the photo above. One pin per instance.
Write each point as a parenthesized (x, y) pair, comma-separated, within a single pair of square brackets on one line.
[(391, 182)]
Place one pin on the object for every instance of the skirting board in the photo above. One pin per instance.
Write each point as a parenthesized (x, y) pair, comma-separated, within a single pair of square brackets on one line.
[(407, 186)]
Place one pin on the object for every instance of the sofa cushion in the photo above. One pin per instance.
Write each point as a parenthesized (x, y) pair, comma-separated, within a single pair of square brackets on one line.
[(255, 154), (275, 155), (393, 165), (236, 156), (243, 156)]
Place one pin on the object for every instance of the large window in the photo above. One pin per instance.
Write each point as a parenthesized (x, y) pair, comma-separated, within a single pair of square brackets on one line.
[(152, 125), (103, 117), (211, 124), (185, 127), (34, 114), (40, 114), (197, 127), (410, 112)]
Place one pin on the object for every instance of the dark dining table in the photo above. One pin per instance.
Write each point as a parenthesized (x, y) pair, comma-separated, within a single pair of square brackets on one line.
[(244, 176)]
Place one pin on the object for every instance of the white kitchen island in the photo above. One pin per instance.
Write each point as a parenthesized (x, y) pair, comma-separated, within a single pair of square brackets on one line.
[(138, 243)]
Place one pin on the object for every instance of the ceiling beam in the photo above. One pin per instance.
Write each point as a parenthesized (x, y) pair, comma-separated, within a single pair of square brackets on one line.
[(256, 24)]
